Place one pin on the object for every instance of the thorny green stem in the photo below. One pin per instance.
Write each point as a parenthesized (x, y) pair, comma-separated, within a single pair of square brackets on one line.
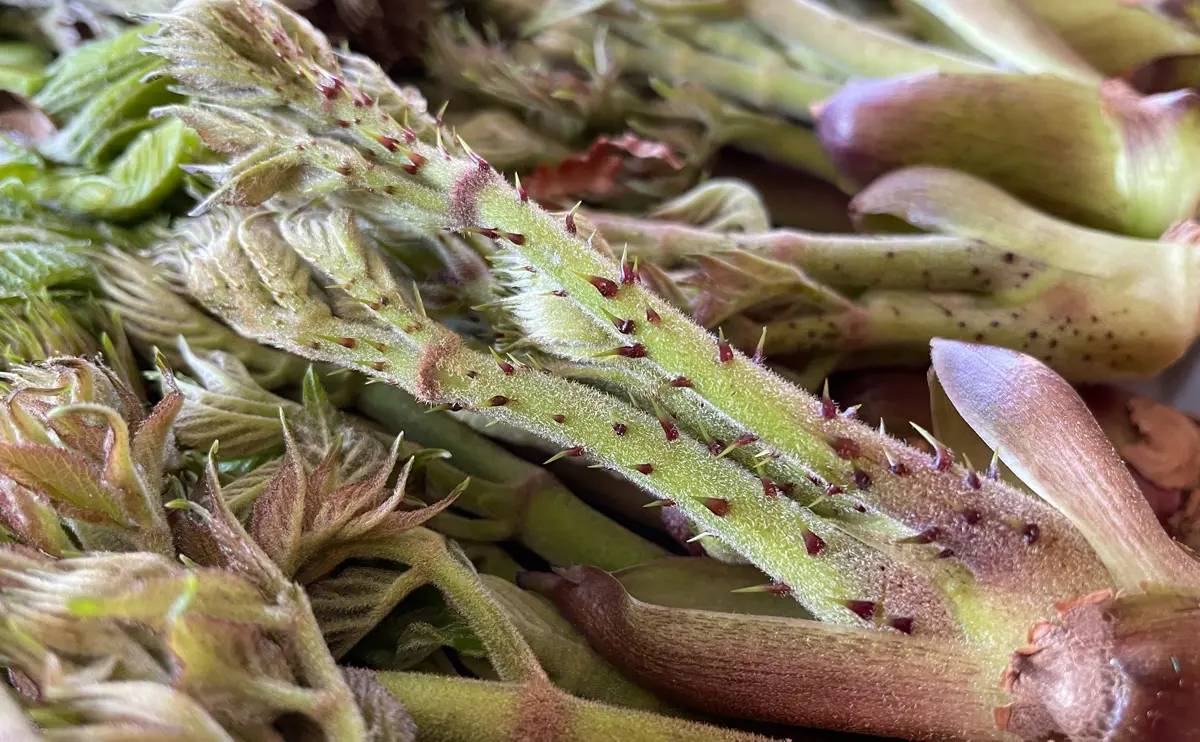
[(507, 712), (525, 500), (443, 370), (1011, 549), (842, 453)]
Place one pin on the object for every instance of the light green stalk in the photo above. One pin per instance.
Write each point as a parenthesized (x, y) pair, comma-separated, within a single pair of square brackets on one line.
[(1115, 36), (853, 47), (462, 710), (1092, 305), (565, 103), (636, 46), (1005, 31), (244, 264)]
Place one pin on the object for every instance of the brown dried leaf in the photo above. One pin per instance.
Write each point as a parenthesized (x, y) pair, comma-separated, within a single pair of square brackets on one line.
[(1169, 452), (24, 122), (385, 717), (606, 169)]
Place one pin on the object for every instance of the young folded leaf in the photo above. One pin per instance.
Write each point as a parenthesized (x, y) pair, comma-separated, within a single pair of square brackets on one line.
[(1107, 158), (1098, 495), (81, 462), (124, 645)]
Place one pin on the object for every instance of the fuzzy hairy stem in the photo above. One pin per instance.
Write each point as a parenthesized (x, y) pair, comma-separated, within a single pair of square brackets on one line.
[(533, 506), (805, 673), (507, 712), (742, 393)]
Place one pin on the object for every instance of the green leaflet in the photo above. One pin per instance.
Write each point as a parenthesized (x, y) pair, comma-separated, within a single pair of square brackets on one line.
[(110, 119), (33, 258), (133, 185), (22, 68), (75, 77)]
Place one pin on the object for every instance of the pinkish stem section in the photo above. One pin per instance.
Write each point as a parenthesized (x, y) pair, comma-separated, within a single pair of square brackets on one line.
[(784, 670), (1110, 668)]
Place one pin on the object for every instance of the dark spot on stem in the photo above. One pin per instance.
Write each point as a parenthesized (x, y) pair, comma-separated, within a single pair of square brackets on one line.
[(864, 609), (903, 624), (717, 506), (845, 448), (813, 543)]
